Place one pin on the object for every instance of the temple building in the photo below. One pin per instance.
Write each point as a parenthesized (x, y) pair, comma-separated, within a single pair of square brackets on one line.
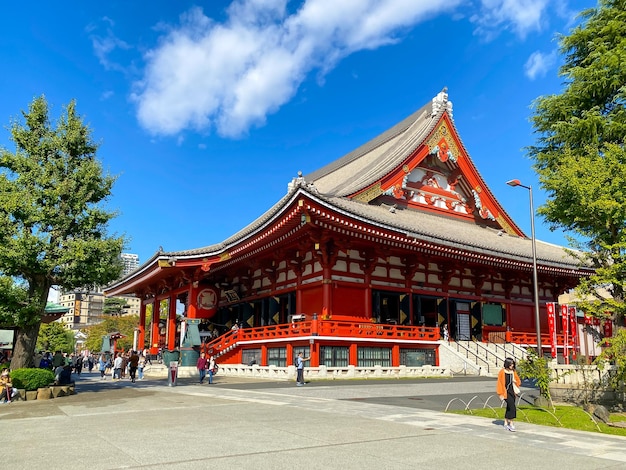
[(364, 261)]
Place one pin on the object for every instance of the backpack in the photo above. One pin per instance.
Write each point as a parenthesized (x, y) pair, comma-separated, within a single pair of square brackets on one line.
[(295, 361)]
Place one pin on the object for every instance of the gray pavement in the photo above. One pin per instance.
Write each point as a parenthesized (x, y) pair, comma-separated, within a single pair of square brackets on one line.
[(251, 424)]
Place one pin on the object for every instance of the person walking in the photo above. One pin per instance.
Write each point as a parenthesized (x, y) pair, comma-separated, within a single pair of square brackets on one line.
[(102, 365), (141, 366), (507, 388), (212, 369), (201, 365), (117, 366), (78, 364), (300, 368), (133, 364)]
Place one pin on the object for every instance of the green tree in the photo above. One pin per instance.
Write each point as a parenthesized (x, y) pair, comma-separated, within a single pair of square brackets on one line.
[(580, 155), (55, 337), (615, 353), (13, 304), (124, 325), (114, 306), (53, 229), (536, 368)]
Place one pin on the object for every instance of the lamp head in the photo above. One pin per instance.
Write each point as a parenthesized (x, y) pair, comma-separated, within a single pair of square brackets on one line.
[(514, 183)]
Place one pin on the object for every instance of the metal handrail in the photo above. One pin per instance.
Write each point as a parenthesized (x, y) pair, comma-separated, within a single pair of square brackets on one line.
[(468, 351), (487, 352), (511, 352)]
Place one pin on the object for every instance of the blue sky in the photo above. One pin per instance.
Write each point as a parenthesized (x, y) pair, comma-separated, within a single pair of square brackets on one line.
[(206, 110)]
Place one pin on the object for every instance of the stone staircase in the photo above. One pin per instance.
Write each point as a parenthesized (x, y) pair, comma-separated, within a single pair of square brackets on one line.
[(482, 358)]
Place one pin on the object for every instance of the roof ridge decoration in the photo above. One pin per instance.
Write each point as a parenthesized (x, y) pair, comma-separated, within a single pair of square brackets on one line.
[(300, 182), (441, 101)]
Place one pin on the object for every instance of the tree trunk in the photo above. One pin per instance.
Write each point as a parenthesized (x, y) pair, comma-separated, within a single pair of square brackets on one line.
[(24, 347)]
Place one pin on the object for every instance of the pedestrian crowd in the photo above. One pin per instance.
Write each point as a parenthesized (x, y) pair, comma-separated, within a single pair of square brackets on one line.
[(130, 364)]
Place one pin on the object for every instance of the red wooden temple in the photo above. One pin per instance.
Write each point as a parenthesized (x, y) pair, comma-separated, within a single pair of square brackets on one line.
[(362, 262)]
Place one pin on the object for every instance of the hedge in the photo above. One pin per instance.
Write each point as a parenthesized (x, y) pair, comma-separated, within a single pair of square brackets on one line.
[(31, 379)]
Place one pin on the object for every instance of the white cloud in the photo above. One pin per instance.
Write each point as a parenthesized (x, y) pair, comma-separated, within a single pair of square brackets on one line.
[(538, 64), (105, 45), (230, 76), (522, 16)]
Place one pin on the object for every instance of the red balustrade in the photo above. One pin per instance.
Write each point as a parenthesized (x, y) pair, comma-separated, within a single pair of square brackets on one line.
[(531, 338), (337, 329)]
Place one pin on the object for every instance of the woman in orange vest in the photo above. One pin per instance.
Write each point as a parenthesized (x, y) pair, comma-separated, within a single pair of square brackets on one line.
[(507, 389)]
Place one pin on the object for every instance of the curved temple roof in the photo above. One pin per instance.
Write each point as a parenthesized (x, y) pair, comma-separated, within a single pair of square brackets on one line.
[(338, 184)]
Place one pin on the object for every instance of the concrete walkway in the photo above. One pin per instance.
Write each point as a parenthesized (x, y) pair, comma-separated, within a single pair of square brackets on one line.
[(245, 424)]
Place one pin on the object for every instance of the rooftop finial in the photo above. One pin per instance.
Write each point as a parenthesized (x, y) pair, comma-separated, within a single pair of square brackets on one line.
[(441, 100)]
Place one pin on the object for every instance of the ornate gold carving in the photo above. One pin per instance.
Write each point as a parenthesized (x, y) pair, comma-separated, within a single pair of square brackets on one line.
[(505, 225), (442, 133), (405, 168), (371, 193)]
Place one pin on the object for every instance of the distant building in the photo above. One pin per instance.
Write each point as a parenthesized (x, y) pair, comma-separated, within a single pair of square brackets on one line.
[(131, 262), (87, 308)]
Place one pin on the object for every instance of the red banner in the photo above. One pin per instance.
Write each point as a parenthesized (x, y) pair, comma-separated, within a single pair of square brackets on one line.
[(565, 324), (574, 330), (552, 327)]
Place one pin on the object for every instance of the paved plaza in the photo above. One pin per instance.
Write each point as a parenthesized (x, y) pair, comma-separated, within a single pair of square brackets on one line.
[(250, 424)]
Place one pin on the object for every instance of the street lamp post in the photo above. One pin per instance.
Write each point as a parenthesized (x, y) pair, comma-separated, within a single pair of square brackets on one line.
[(534, 250)]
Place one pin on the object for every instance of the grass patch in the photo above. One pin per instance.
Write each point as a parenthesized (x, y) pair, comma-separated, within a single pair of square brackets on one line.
[(562, 416)]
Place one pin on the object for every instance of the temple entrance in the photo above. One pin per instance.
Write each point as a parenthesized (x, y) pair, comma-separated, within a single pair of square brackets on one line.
[(386, 307), (463, 329), (430, 311), (272, 310)]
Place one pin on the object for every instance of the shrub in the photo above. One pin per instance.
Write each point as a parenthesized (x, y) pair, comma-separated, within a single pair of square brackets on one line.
[(535, 367), (31, 379)]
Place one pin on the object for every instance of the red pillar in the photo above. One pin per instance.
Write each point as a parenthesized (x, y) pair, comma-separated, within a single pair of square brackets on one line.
[(395, 355), (352, 355), (314, 354), (326, 292), (171, 324), (299, 291), (290, 357), (141, 338), (154, 328), (368, 296), (192, 306)]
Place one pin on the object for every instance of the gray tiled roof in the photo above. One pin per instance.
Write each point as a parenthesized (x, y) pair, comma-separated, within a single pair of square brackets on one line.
[(454, 232), (373, 160), (437, 229)]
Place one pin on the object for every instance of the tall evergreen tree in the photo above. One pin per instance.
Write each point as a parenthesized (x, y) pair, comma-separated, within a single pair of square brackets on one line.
[(115, 306), (53, 227), (580, 155)]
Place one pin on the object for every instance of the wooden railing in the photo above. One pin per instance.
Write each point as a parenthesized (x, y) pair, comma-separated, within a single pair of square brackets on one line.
[(531, 338), (320, 328), (376, 330)]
